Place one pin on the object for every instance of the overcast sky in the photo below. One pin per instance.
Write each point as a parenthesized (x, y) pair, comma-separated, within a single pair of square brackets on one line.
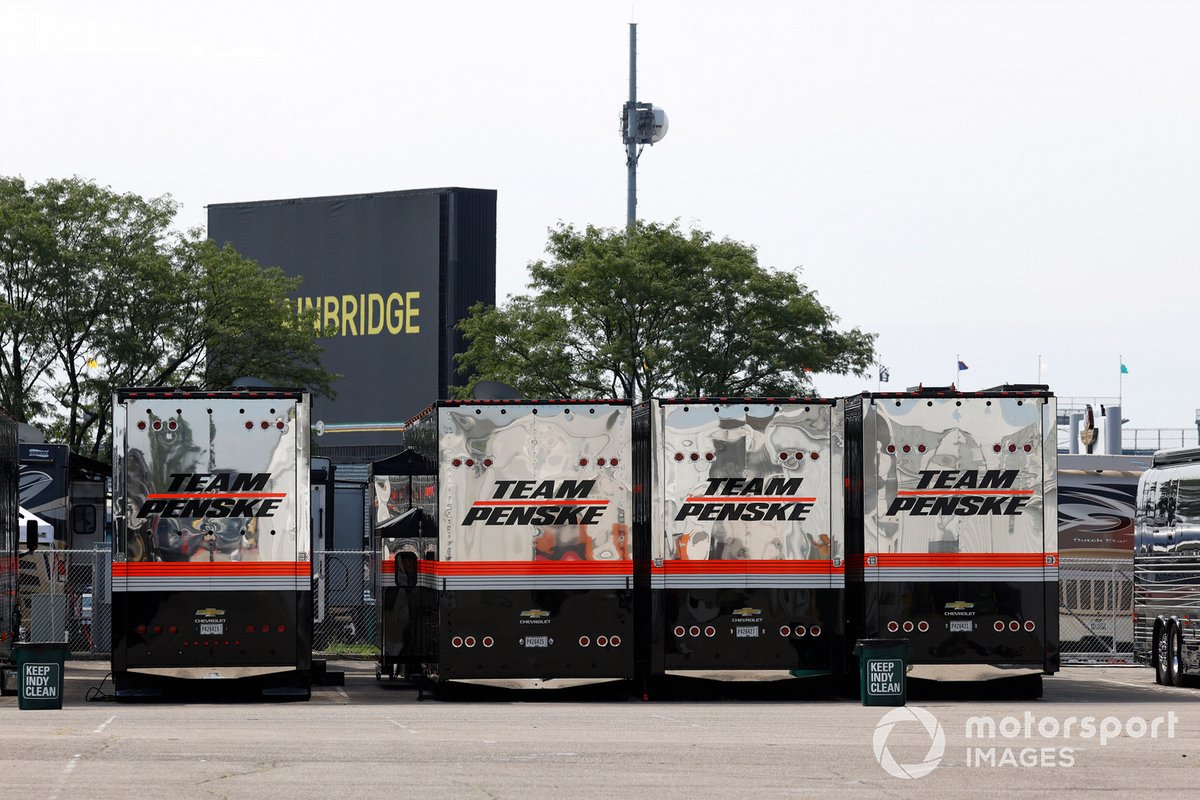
[(990, 181)]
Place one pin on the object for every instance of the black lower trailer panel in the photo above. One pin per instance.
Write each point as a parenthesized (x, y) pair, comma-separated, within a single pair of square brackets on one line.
[(530, 635), (797, 631), (256, 641), (1006, 625)]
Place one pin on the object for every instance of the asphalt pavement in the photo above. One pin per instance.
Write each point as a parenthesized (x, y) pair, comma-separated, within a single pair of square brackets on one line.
[(1105, 729)]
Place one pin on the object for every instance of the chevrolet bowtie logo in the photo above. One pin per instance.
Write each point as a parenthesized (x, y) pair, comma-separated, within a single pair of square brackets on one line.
[(210, 612), (747, 612), (959, 605), (535, 613)]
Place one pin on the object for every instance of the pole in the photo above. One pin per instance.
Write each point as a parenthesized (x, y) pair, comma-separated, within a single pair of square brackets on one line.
[(1120, 377), (631, 125)]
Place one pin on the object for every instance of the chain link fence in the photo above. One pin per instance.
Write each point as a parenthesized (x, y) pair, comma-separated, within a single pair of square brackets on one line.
[(343, 603), (1095, 612), (66, 597)]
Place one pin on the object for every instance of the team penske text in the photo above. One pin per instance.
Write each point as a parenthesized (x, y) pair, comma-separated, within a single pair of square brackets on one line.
[(234, 494), (748, 500)]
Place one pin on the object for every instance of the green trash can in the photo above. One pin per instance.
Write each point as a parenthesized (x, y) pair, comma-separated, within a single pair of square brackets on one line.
[(40, 674), (882, 666)]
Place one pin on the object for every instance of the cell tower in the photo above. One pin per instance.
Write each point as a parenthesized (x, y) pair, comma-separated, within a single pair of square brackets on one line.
[(641, 124)]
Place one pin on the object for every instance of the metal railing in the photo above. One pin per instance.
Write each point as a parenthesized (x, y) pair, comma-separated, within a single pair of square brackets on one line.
[(1151, 440)]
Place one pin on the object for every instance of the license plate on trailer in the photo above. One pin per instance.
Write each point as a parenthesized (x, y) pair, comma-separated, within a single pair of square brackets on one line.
[(212, 628), (537, 641), (961, 626), (747, 631)]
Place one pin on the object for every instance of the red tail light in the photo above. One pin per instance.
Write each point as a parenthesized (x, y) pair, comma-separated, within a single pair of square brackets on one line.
[(784, 630), (602, 641), (800, 630)]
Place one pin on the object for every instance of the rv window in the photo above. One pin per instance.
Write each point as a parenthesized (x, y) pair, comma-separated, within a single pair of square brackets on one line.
[(83, 520)]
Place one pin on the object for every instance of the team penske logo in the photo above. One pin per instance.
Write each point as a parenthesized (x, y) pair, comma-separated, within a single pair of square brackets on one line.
[(566, 502), (192, 495), (747, 500), (962, 493)]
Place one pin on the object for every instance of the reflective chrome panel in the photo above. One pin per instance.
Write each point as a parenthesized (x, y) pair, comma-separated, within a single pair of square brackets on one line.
[(722, 470), (534, 482)]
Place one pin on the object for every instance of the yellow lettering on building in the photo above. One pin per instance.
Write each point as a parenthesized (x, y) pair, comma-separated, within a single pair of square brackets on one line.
[(364, 314), (413, 311), (349, 314), (375, 315)]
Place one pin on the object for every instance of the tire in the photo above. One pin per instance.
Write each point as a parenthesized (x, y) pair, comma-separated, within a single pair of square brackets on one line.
[(1174, 656), (1158, 655)]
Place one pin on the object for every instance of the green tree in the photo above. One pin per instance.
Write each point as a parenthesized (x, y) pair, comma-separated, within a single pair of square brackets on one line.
[(99, 293), (658, 313)]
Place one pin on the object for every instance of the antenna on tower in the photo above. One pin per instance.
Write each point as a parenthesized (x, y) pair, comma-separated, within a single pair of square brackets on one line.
[(641, 124)]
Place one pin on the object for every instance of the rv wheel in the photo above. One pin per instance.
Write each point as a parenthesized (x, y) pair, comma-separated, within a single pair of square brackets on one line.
[(1158, 655), (1174, 657)]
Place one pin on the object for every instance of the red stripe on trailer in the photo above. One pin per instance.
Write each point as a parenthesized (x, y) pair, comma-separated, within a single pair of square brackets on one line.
[(240, 569), (960, 492), (566, 501), (952, 560), (215, 495), (749, 566), (775, 499), (552, 568)]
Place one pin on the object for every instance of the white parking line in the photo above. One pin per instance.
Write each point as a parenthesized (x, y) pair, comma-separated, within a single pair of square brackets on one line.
[(66, 771), (402, 726), (1151, 687), (105, 725)]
